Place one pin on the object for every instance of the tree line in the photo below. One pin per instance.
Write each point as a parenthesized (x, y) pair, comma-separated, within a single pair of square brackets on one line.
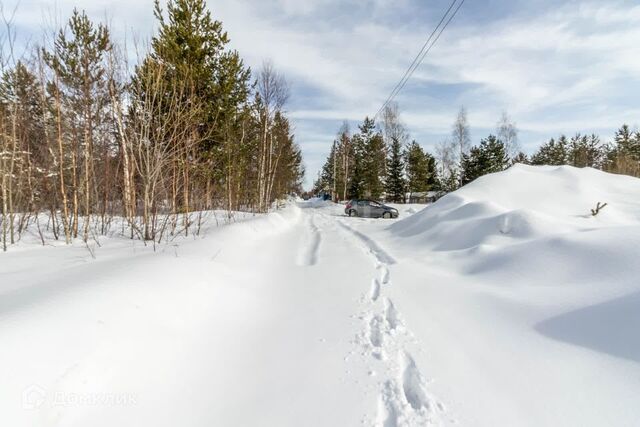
[(378, 161), (87, 137)]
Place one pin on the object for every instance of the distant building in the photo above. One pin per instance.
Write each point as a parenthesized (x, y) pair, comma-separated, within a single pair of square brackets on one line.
[(424, 196)]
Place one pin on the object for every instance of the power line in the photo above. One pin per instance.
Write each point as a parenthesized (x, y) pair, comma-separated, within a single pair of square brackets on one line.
[(423, 52), (415, 60)]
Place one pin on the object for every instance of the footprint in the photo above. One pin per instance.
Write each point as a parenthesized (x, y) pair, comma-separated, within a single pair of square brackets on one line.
[(376, 335), (413, 384), (375, 289), (388, 410), (384, 274), (391, 314)]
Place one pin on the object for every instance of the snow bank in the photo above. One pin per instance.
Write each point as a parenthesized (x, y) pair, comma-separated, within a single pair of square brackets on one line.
[(524, 203), (536, 301), (531, 227)]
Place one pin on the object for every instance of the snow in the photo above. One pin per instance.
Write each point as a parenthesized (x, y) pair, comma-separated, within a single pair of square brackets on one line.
[(504, 303)]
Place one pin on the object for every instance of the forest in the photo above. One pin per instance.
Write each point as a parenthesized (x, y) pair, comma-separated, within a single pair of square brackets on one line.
[(379, 161), (88, 134)]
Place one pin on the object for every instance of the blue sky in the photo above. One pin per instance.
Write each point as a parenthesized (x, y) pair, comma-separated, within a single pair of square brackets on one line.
[(554, 66)]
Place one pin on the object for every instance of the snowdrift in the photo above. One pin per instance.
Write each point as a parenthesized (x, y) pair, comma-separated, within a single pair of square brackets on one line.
[(529, 231), (538, 295), (532, 226), (524, 203)]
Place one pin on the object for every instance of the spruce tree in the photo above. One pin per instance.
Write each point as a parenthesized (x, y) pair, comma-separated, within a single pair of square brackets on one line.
[(553, 153), (521, 158), (420, 168), (327, 176), (432, 173), (357, 180), (374, 159), (395, 183), (627, 142), (488, 157)]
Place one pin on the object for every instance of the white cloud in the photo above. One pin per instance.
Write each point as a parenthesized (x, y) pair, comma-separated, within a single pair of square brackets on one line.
[(559, 69)]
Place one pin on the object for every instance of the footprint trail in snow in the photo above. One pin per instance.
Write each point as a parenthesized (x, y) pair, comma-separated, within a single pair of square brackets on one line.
[(403, 399)]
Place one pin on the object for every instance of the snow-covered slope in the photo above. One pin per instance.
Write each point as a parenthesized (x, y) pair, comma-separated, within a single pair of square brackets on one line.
[(524, 203), (536, 301)]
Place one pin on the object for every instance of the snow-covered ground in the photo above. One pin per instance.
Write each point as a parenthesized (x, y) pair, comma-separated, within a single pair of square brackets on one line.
[(505, 303)]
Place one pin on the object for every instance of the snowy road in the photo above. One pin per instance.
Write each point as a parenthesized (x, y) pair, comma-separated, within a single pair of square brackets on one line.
[(308, 317), (275, 321)]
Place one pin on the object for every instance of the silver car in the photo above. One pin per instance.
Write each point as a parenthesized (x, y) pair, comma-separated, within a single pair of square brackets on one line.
[(369, 209)]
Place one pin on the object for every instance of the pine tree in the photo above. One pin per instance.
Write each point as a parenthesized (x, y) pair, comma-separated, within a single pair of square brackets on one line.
[(488, 157), (189, 52), (79, 64), (395, 183)]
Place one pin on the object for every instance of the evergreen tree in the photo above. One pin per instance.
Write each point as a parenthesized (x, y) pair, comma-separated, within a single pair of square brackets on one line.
[(327, 177), (421, 169), (520, 158), (374, 159), (21, 92), (488, 157), (450, 181), (189, 54), (357, 179), (79, 63), (624, 139), (624, 156), (627, 142), (432, 173), (395, 183), (552, 153), (586, 151)]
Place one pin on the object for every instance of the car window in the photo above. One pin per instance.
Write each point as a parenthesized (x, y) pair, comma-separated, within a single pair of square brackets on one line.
[(374, 204), (362, 203)]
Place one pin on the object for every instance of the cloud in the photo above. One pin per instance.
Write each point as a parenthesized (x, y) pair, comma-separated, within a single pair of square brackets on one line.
[(556, 67)]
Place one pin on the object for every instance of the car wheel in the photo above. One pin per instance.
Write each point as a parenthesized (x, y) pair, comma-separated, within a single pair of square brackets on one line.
[(386, 215), (353, 213)]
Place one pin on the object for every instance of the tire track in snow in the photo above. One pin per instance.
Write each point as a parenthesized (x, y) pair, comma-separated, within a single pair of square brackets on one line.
[(308, 254), (403, 399)]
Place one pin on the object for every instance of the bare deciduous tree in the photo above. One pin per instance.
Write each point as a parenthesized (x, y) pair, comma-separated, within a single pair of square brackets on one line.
[(507, 132)]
